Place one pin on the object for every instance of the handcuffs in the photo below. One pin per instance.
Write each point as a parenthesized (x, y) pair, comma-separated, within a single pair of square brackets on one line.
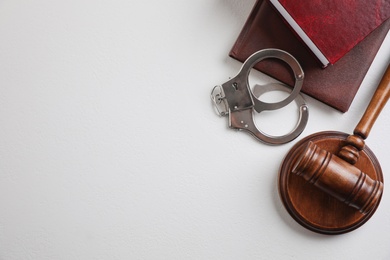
[(236, 99)]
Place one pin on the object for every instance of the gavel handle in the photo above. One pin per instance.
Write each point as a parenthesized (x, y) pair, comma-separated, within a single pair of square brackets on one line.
[(355, 143), (376, 105)]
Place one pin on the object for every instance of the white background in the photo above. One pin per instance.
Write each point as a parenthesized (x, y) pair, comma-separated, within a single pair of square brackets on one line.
[(110, 148)]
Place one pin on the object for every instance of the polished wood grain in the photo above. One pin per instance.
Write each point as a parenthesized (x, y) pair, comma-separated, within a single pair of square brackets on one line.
[(338, 178), (314, 208), (331, 182)]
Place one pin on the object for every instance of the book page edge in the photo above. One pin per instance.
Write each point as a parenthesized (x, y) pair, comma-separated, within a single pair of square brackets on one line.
[(317, 52)]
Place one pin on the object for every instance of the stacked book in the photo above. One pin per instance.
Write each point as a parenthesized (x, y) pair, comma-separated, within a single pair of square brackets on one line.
[(335, 41)]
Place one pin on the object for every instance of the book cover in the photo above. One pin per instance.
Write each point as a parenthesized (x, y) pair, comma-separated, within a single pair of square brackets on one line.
[(335, 85), (332, 28)]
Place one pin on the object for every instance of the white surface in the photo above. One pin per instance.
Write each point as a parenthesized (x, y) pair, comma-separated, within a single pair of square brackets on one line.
[(110, 148)]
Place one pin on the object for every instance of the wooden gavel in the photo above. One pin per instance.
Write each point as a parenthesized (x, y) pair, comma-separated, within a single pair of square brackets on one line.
[(336, 174)]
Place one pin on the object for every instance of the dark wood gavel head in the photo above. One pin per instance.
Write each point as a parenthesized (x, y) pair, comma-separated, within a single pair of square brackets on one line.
[(338, 178)]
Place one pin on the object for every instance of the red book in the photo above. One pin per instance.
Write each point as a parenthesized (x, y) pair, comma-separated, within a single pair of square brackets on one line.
[(331, 28), (335, 86)]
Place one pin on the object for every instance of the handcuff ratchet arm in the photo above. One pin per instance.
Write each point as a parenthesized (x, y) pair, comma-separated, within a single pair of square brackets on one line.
[(236, 99)]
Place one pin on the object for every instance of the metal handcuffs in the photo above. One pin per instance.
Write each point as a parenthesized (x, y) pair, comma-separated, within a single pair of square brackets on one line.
[(236, 99)]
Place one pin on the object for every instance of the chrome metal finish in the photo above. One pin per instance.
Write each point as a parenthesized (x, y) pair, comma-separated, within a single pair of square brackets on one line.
[(236, 99)]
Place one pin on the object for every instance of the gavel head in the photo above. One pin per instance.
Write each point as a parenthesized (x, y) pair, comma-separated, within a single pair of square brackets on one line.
[(338, 178)]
